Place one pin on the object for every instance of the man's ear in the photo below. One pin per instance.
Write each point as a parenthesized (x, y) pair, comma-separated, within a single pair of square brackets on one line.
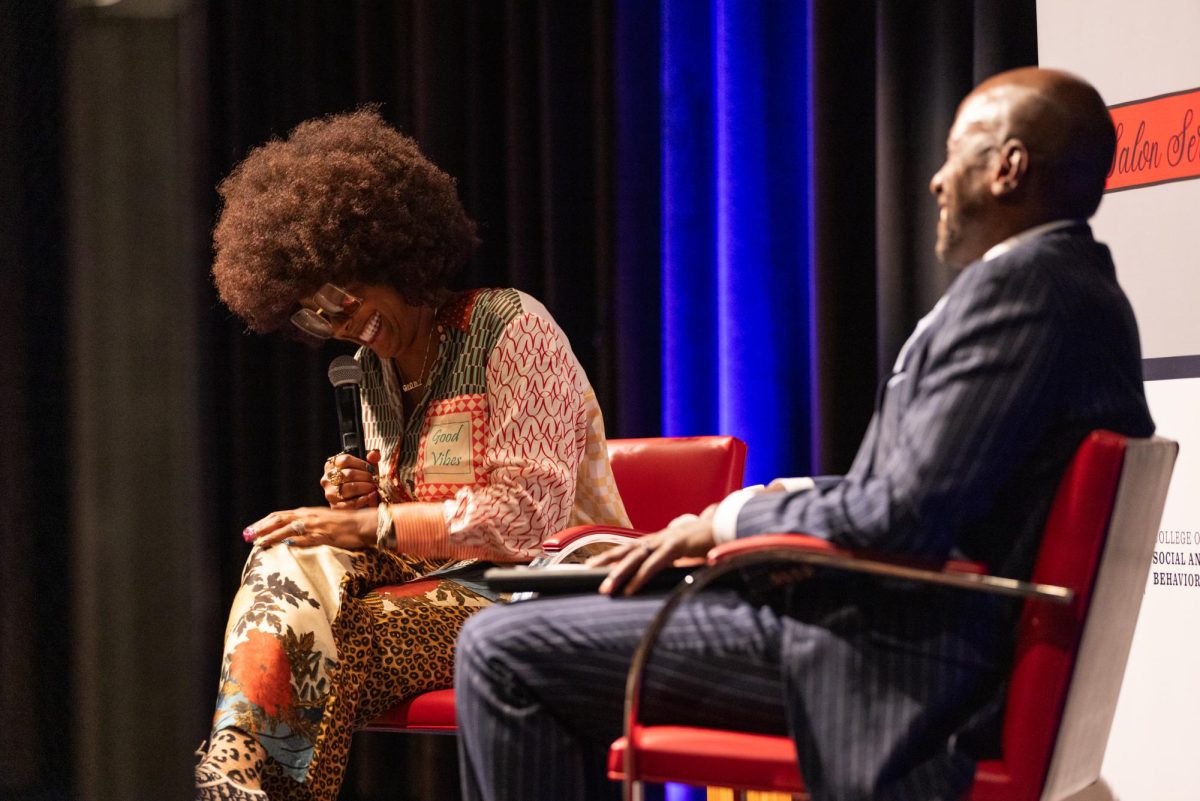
[(1010, 170)]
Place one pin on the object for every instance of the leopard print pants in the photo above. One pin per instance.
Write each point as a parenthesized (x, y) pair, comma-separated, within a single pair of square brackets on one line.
[(323, 640)]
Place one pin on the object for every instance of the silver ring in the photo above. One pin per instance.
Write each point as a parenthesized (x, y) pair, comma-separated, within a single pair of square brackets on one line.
[(289, 541), (298, 527)]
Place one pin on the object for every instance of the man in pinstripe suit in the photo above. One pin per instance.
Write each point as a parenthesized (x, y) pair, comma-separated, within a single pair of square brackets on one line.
[(890, 691)]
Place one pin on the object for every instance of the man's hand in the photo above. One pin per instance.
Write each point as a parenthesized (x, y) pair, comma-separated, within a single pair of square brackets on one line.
[(634, 563)]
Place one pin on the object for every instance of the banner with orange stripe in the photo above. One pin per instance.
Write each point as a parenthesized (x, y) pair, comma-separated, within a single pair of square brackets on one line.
[(1158, 140)]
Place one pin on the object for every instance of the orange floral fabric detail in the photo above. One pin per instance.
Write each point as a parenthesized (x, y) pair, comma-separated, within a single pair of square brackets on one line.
[(260, 667)]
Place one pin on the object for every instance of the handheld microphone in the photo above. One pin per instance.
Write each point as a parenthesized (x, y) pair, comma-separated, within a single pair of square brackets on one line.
[(346, 375)]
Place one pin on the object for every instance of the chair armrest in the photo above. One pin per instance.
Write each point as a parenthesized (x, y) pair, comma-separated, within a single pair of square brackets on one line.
[(570, 540), (570, 536), (822, 553), (764, 542), (806, 542), (562, 545)]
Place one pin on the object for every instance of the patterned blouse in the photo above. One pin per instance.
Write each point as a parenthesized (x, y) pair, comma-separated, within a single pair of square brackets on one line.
[(506, 446)]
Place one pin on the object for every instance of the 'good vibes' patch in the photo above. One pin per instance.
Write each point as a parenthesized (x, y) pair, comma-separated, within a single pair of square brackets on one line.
[(452, 445)]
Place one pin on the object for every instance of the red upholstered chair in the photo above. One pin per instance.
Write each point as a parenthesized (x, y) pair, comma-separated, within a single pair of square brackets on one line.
[(1072, 642), (659, 478)]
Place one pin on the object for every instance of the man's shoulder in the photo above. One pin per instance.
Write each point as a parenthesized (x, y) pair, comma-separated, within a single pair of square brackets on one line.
[(1053, 265), (1061, 251)]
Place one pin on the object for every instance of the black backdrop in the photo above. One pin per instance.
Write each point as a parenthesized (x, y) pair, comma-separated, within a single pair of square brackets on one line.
[(34, 676), (520, 101)]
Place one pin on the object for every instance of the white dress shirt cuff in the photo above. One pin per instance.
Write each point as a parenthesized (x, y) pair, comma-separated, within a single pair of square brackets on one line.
[(725, 519)]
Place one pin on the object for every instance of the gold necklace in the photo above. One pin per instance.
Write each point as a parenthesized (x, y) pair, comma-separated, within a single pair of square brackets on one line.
[(419, 381)]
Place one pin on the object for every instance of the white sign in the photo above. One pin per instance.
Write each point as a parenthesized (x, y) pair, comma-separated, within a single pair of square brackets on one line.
[(1132, 53)]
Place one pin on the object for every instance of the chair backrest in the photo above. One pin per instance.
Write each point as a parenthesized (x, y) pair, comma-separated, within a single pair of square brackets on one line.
[(1070, 660), (661, 478)]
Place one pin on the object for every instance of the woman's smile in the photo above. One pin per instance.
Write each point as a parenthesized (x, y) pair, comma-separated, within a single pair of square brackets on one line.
[(371, 329)]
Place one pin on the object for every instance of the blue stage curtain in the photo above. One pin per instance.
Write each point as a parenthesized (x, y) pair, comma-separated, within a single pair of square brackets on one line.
[(714, 229), (734, 189)]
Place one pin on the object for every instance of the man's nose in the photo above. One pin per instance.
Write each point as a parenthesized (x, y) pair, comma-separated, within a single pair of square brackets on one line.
[(935, 184)]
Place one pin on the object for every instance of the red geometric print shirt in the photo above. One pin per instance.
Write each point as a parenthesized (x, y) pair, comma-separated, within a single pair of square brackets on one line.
[(505, 448)]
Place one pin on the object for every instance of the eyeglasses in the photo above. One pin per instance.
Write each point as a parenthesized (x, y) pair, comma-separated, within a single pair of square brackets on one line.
[(334, 307)]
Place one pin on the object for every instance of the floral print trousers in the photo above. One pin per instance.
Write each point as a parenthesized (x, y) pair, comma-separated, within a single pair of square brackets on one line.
[(319, 644)]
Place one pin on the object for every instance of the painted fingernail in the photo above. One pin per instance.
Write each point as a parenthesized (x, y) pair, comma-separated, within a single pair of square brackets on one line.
[(249, 533)]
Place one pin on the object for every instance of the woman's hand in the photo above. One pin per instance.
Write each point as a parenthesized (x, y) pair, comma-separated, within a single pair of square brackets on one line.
[(633, 563), (314, 525), (349, 482)]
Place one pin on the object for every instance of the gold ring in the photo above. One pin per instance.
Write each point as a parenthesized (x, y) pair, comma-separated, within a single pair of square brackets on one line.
[(335, 476)]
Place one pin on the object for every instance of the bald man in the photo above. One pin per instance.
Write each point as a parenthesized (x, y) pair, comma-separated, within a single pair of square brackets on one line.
[(890, 691)]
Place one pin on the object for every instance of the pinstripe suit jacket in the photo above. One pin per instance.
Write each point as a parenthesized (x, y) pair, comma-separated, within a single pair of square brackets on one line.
[(1026, 353)]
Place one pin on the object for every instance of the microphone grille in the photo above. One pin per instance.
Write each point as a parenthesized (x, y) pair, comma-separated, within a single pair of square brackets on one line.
[(344, 370)]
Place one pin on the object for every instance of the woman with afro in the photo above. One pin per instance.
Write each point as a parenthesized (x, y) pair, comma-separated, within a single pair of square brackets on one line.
[(483, 432)]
